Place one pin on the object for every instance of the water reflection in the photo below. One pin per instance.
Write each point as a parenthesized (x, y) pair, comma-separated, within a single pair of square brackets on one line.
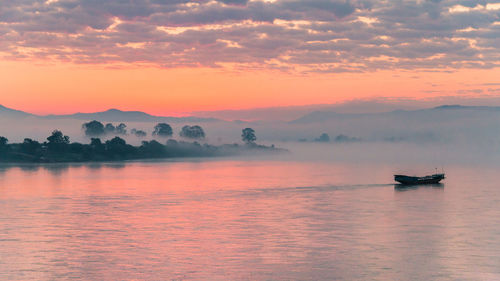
[(29, 168), (237, 220), (59, 168), (99, 165), (406, 187)]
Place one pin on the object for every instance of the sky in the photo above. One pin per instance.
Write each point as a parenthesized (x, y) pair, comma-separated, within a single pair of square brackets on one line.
[(172, 57)]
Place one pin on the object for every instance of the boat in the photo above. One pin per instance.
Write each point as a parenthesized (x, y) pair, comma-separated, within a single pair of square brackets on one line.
[(431, 179)]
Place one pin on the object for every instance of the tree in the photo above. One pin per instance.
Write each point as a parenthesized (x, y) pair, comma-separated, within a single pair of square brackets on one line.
[(3, 141), (323, 138), (76, 147), (57, 141), (121, 129), (192, 132), (138, 133), (344, 138), (172, 142), (248, 135), (116, 141), (30, 146), (95, 142), (3, 144), (152, 149), (109, 128), (57, 137), (163, 130), (93, 128), (97, 146), (117, 147)]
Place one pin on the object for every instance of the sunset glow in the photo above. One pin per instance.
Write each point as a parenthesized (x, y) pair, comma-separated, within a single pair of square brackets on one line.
[(77, 88), (183, 56)]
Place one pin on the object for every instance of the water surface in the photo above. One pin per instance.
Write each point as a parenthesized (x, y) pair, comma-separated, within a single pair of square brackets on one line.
[(245, 220)]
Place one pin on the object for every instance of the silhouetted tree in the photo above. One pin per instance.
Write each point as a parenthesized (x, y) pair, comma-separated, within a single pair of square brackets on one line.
[(76, 147), (58, 137), (109, 128), (3, 145), (95, 142), (117, 147), (93, 128), (172, 142), (192, 132), (323, 138), (152, 149), (248, 135), (121, 129), (116, 141), (162, 130), (57, 142), (138, 133), (30, 146), (97, 146), (3, 141), (344, 138)]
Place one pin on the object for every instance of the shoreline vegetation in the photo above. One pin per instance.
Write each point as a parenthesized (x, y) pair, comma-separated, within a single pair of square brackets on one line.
[(59, 149)]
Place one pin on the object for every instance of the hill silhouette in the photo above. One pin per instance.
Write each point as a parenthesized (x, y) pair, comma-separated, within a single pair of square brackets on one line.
[(110, 115)]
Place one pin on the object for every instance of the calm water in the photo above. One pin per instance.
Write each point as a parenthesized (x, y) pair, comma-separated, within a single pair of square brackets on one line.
[(245, 220)]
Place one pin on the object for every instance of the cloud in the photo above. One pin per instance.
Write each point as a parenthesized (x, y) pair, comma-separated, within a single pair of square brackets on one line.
[(291, 35)]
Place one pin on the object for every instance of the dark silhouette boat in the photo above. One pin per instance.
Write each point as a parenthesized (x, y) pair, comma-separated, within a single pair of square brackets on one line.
[(409, 180)]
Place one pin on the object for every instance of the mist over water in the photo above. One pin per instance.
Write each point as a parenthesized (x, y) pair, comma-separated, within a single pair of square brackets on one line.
[(468, 126), (322, 211)]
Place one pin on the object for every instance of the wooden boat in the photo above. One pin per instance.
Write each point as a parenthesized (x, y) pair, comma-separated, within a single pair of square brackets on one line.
[(431, 179)]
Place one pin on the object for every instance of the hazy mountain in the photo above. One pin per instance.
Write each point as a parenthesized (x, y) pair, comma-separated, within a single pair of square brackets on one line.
[(6, 112), (366, 106), (442, 112), (115, 115), (463, 107), (287, 113), (111, 115)]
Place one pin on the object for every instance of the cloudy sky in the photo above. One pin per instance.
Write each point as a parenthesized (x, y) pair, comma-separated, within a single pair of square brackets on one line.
[(174, 56)]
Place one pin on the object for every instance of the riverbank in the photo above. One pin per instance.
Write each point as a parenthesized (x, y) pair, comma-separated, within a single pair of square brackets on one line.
[(117, 149)]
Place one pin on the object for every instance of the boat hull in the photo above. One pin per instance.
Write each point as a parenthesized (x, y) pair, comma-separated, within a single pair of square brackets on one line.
[(433, 179)]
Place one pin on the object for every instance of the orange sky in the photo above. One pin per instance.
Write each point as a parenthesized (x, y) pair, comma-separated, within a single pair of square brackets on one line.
[(177, 57), (69, 88)]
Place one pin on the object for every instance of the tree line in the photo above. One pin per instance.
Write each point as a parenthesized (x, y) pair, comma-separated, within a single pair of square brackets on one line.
[(97, 129), (58, 148)]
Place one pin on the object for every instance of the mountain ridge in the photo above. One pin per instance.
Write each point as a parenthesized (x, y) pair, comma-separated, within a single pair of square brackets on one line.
[(322, 116), (4, 109), (117, 115), (110, 115)]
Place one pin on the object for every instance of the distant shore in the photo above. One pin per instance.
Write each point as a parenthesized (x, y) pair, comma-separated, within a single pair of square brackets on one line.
[(59, 150)]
